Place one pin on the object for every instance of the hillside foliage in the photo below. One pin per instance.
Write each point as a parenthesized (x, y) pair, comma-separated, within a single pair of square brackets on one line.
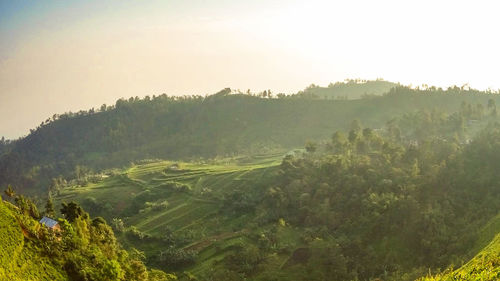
[(84, 249), (190, 127), (302, 187), (390, 203)]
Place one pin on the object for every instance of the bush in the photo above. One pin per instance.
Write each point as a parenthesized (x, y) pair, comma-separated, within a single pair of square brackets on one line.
[(155, 206), (176, 186), (177, 258), (136, 234)]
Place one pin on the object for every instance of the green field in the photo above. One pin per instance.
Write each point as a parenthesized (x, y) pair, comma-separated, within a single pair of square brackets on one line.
[(198, 211)]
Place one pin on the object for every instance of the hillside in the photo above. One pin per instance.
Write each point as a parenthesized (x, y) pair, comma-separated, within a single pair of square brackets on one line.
[(389, 204), (196, 207), (219, 188), (83, 249), (484, 266), (189, 128), (20, 258)]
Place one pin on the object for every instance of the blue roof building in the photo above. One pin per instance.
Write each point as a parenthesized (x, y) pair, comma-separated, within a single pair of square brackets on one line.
[(50, 223)]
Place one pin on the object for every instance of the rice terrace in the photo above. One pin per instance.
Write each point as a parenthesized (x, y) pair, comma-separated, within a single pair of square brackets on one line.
[(263, 140), (178, 199)]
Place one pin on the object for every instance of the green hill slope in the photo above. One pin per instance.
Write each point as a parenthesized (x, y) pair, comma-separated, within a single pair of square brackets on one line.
[(204, 208), (485, 266), (361, 206), (83, 249), (20, 258)]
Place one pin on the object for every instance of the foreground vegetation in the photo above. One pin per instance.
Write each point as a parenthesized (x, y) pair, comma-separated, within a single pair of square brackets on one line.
[(83, 248)]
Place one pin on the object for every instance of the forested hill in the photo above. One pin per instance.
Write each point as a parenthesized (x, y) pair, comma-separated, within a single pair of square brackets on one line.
[(218, 125), (389, 204)]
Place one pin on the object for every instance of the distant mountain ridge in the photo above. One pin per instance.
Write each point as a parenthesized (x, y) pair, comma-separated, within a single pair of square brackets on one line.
[(191, 127), (350, 89)]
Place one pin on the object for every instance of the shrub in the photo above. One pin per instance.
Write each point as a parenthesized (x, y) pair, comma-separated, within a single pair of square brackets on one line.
[(177, 258)]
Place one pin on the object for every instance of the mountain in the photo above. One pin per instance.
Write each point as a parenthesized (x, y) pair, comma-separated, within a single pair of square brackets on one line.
[(197, 127), (394, 203)]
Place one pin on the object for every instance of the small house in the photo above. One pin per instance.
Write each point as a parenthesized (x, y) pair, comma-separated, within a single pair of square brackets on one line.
[(50, 223)]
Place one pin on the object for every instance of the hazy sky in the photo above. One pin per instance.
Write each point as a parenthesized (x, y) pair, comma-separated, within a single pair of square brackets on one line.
[(57, 56)]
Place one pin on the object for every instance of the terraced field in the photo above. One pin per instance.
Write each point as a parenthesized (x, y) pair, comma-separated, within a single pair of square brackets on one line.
[(195, 195)]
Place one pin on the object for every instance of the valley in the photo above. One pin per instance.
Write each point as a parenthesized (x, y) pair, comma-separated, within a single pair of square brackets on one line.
[(195, 195)]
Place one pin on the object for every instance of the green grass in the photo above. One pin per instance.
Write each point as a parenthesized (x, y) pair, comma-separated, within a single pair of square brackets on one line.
[(484, 266), (487, 233)]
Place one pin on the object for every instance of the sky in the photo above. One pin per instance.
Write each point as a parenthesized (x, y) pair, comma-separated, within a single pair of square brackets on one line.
[(59, 56)]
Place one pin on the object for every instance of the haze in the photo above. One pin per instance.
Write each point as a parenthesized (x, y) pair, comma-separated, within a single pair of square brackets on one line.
[(58, 56)]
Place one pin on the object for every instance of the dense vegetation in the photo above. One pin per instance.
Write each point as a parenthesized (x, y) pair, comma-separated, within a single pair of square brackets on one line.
[(390, 209), (390, 187), (390, 203), (191, 127), (83, 249)]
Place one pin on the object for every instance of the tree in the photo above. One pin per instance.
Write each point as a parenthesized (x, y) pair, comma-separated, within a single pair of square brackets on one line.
[(338, 138), (137, 271), (338, 142), (356, 125), (353, 136), (49, 208), (491, 104), (311, 146), (367, 133), (10, 191), (118, 225), (27, 206), (72, 211), (112, 270)]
